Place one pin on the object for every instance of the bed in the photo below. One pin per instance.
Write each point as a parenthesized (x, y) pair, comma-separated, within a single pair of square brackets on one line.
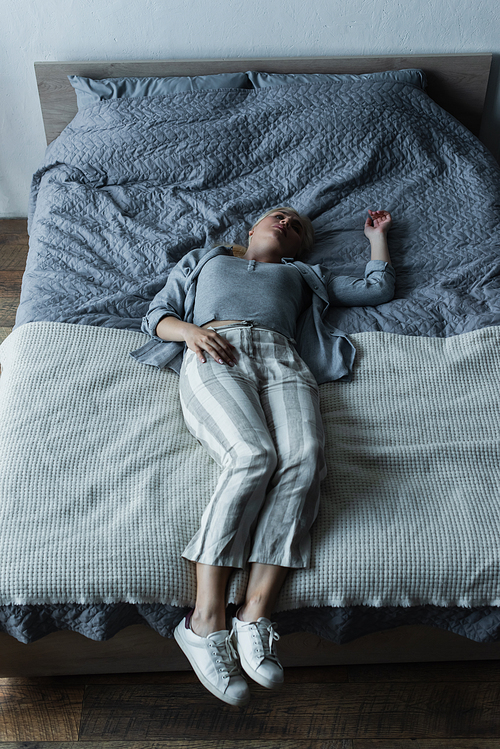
[(101, 482)]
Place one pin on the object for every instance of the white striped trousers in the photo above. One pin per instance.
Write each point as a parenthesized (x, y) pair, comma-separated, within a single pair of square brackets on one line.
[(260, 421)]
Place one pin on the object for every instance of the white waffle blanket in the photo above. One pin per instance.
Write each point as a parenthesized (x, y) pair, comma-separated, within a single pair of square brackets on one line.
[(101, 484)]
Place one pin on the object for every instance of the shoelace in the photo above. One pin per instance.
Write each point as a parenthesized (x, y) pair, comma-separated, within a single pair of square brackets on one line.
[(264, 636), (225, 654), (273, 637)]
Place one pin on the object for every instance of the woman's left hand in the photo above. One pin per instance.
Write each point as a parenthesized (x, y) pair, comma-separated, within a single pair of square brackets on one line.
[(378, 222)]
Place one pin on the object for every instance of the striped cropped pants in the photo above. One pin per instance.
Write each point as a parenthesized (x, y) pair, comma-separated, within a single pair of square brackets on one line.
[(260, 421)]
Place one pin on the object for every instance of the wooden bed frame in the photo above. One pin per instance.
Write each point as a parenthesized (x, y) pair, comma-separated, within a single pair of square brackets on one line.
[(458, 83)]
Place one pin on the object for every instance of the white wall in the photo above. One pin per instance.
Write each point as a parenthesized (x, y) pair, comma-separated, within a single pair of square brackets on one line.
[(155, 29)]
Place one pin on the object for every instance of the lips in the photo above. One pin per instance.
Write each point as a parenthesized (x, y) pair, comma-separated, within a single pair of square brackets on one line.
[(281, 228)]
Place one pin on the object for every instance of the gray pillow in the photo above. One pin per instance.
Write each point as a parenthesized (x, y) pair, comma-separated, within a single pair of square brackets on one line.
[(90, 91), (268, 80)]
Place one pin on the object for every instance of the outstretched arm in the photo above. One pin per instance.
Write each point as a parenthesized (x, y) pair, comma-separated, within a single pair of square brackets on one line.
[(377, 286), (377, 226)]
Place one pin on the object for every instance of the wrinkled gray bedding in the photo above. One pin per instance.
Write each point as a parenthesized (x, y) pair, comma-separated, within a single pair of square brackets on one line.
[(132, 185)]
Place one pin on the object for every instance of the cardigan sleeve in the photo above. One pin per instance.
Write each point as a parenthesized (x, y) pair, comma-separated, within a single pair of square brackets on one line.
[(376, 287), (170, 301)]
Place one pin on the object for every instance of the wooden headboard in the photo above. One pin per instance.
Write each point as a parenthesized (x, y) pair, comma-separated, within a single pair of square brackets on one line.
[(457, 83)]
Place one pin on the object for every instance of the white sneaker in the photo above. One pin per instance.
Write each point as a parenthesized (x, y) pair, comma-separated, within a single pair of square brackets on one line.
[(214, 661), (255, 646)]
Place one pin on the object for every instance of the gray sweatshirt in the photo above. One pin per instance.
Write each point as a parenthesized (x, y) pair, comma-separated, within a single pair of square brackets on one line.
[(271, 295)]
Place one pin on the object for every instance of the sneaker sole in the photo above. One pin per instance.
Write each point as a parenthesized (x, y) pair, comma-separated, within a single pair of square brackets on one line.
[(201, 676)]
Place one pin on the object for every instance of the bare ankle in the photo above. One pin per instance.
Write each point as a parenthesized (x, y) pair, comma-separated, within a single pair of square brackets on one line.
[(252, 611), (204, 625)]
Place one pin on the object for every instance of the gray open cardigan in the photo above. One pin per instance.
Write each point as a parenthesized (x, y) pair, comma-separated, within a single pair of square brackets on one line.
[(328, 352)]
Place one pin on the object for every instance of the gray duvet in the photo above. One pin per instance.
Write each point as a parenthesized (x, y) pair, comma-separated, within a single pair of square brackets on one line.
[(132, 185)]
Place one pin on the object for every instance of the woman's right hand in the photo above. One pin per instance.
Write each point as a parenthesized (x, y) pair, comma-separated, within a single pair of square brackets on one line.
[(199, 340), (204, 340)]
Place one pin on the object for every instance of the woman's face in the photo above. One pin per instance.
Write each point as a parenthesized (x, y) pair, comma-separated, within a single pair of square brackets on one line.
[(282, 230)]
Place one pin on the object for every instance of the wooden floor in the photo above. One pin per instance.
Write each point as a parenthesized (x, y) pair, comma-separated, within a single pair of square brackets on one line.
[(417, 706), (13, 252), (422, 706)]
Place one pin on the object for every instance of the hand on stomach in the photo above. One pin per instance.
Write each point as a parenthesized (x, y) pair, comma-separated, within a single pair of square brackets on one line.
[(211, 343)]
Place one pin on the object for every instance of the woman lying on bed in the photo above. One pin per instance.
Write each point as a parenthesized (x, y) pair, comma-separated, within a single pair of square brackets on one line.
[(247, 336)]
